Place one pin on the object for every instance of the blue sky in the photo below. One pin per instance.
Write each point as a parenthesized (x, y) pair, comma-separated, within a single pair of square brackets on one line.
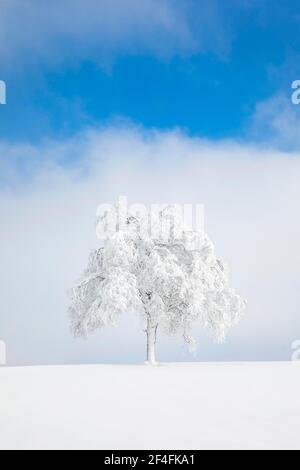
[(204, 69)]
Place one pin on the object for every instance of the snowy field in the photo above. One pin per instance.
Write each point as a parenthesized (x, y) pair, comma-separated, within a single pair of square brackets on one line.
[(173, 406)]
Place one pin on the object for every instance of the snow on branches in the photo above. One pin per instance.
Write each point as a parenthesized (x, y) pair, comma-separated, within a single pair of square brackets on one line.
[(153, 266)]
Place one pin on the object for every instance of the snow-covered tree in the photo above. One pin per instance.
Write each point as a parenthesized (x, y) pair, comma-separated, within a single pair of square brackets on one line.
[(153, 266)]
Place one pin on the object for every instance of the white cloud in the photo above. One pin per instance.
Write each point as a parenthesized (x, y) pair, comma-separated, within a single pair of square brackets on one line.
[(47, 228), (59, 30), (276, 123)]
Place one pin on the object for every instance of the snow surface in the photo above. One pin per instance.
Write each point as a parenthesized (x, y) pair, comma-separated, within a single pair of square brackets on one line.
[(172, 406)]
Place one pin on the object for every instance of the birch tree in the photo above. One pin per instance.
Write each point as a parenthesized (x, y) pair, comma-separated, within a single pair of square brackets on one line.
[(168, 275)]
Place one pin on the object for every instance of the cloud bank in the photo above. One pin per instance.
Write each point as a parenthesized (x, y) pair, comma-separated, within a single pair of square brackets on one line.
[(47, 229)]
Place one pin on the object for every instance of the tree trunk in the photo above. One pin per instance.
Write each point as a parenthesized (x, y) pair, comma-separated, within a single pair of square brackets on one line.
[(151, 341)]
